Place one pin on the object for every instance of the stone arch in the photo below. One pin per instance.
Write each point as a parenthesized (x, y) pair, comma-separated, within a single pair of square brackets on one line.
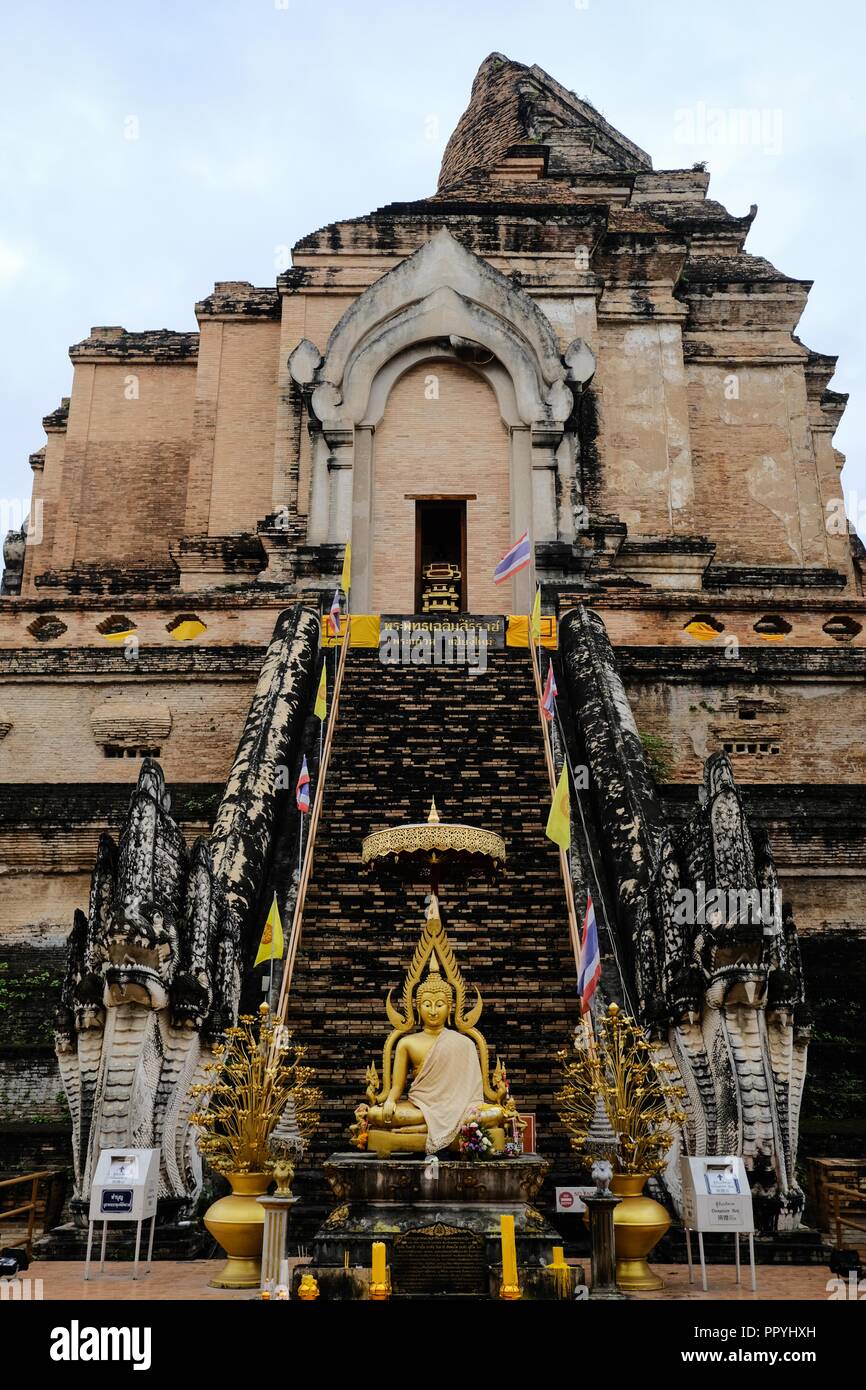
[(497, 378), (442, 261), (443, 301)]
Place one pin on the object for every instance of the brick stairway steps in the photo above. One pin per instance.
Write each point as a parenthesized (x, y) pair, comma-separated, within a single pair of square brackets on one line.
[(405, 734)]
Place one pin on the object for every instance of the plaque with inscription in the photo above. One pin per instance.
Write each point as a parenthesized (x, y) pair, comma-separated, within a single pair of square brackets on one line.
[(439, 1259)]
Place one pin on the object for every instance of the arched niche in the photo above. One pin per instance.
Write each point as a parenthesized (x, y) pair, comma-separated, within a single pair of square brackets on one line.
[(442, 302), (441, 444)]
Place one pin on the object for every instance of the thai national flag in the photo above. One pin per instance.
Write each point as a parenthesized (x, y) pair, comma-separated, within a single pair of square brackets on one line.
[(590, 960), (302, 791), (334, 614), (548, 707), (517, 558)]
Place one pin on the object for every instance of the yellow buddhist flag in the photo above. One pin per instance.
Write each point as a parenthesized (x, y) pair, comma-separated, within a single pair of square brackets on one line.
[(535, 620), (272, 945), (346, 576), (559, 821), (321, 706)]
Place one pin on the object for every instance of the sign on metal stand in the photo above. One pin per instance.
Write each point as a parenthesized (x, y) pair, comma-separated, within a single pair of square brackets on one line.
[(124, 1189), (717, 1197)]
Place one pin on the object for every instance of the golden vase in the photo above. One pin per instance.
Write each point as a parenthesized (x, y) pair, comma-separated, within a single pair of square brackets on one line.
[(639, 1223), (237, 1223)]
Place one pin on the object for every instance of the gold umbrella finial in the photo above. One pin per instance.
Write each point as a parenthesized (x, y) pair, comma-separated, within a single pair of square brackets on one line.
[(433, 818)]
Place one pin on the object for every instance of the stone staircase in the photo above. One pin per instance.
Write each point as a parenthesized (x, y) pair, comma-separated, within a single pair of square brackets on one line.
[(405, 734)]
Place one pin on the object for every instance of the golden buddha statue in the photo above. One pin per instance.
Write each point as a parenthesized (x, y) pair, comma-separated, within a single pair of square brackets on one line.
[(435, 1078)]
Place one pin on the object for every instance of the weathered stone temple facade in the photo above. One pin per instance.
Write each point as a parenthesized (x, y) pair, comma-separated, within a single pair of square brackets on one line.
[(561, 340)]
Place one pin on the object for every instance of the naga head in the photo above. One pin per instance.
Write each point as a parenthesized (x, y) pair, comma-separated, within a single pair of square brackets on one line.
[(139, 956), (732, 957)]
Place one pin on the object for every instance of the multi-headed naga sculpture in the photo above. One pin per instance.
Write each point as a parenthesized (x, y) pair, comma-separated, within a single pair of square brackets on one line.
[(154, 968), (709, 957)]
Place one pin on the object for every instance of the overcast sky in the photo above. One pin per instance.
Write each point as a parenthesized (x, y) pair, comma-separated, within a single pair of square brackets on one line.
[(148, 150)]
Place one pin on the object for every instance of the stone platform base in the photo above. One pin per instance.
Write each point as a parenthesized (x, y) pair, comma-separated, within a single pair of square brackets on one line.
[(185, 1240), (442, 1235), (803, 1247)]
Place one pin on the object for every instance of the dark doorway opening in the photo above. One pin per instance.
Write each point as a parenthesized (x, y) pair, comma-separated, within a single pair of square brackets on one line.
[(440, 557)]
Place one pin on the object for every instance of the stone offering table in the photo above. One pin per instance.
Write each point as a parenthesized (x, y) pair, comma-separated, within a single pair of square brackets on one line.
[(442, 1233)]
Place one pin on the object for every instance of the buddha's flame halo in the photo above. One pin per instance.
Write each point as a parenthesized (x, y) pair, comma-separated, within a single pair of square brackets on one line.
[(433, 946)]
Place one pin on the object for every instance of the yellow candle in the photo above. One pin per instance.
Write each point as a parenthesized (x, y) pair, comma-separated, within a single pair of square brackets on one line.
[(559, 1257), (509, 1251), (380, 1273)]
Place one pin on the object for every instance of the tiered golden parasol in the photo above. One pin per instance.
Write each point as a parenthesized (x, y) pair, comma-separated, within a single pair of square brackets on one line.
[(434, 851)]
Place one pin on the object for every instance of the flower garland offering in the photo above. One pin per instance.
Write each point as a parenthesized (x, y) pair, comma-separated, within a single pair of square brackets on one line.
[(472, 1140)]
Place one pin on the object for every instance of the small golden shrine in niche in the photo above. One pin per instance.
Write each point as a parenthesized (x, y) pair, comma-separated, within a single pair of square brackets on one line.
[(441, 588)]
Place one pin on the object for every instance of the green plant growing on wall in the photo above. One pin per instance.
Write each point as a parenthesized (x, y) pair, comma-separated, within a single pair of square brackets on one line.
[(26, 1005), (659, 755)]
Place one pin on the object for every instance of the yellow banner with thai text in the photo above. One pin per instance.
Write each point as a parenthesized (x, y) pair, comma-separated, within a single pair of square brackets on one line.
[(365, 630)]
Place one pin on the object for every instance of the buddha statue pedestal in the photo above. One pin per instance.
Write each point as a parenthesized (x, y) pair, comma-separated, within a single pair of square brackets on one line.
[(442, 1233)]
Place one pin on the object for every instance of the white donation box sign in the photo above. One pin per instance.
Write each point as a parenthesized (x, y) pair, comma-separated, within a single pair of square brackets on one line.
[(124, 1188), (716, 1195)]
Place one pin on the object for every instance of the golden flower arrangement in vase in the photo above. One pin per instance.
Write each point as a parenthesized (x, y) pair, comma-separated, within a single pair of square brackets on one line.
[(260, 1071), (619, 1074)]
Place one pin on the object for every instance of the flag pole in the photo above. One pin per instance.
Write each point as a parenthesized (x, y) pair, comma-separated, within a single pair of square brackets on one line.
[(564, 866)]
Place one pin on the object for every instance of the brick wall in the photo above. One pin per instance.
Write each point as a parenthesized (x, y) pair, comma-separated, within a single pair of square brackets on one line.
[(125, 464), (243, 450), (818, 837), (47, 487), (833, 1121), (29, 1148), (48, 841), (819, 728), (34, 1117), (52, 735), (646, 472), (31, 1088), (756, 480)]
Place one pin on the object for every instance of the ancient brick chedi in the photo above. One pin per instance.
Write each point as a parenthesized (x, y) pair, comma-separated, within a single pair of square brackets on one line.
[(560, 340)]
